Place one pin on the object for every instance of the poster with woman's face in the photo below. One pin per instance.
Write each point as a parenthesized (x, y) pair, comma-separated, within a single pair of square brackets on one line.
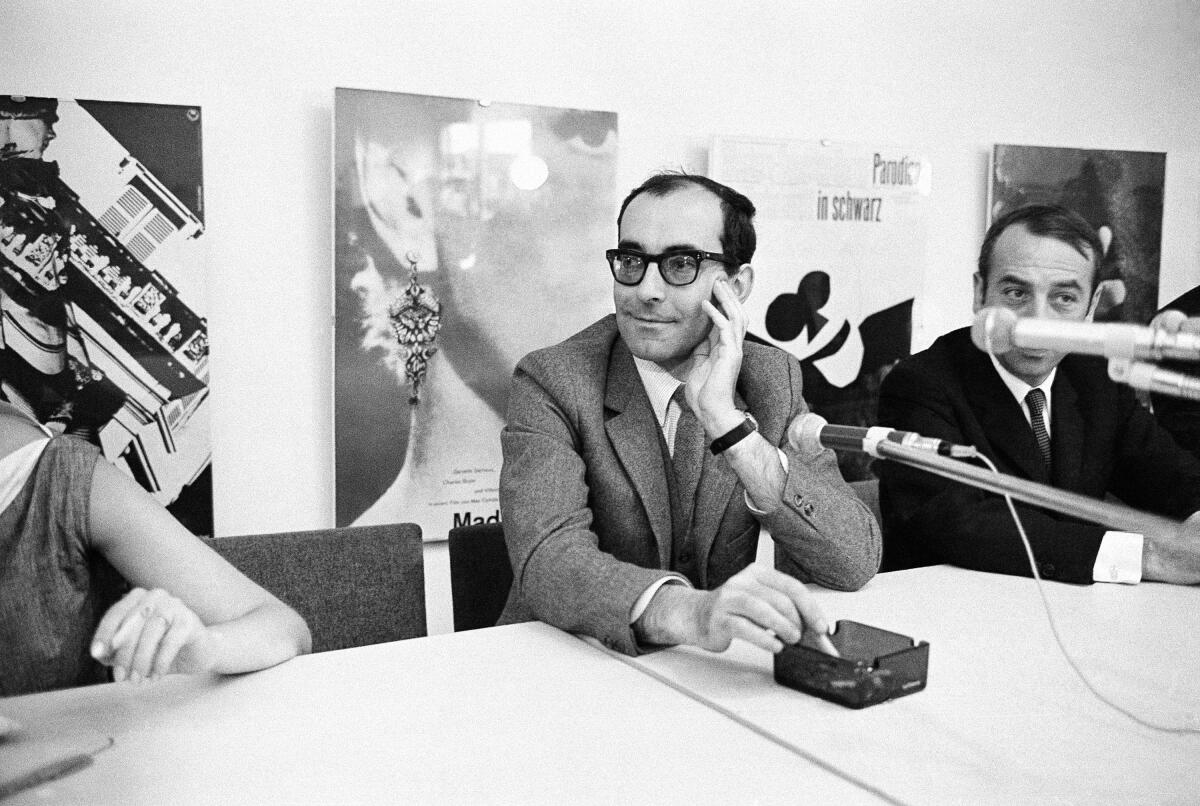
[(466, 234), (1120, 193), (103, 287)]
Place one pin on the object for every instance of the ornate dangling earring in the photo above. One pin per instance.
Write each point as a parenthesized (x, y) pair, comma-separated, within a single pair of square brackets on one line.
[(416, 317)]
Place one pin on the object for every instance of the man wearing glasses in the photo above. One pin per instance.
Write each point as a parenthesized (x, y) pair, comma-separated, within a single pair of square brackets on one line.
[(642, 454)]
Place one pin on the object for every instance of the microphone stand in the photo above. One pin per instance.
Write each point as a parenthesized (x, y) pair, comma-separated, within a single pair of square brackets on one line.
[(1114, 516)]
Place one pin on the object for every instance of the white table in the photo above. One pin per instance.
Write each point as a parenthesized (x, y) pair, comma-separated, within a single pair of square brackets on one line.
[(1003, 719), (521, 714)]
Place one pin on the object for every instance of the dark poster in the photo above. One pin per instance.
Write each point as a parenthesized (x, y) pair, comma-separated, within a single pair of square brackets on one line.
[(1120, 193)]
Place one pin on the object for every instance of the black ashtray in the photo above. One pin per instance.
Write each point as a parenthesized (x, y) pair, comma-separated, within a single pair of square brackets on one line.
[(875, 666)]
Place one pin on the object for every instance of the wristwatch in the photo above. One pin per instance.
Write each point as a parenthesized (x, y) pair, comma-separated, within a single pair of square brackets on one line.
[(727, 440)]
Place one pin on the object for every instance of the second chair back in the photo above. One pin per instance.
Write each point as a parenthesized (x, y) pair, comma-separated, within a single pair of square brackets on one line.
[(355, 585), (480, 575)]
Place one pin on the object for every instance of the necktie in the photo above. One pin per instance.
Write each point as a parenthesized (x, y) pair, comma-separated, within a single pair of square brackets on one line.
[(1036, 399), (688, 453)]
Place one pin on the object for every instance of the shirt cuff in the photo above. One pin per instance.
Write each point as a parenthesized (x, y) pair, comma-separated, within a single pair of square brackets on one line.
[(1119, 559), (746, 495), (643, 601)]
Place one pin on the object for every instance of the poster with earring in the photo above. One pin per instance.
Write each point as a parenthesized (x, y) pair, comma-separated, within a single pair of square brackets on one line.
[(466, 234), (840, 261), (103, 288), (1120, 193)]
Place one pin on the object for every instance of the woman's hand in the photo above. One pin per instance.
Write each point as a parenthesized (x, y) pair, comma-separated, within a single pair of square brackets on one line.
[(150, 633)]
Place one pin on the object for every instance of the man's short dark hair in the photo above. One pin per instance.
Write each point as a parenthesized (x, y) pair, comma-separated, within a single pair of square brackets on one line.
[(737, 235), (29, 106), (1051, 221)]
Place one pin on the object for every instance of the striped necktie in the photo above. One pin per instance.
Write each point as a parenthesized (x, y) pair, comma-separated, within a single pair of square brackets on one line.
[(1036, 400)]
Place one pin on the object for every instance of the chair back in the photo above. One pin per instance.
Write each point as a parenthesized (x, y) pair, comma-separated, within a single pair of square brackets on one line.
[(480, 575), (355, 585)]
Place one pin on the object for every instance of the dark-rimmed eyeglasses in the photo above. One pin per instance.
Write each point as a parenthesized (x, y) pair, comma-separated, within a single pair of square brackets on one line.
[(677, 266)]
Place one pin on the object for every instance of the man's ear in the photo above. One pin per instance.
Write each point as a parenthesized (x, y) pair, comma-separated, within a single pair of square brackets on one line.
[(980, 291), (743, 281)]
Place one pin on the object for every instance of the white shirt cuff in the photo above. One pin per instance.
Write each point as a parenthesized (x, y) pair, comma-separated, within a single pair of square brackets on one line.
[(1119, 559), (745, 494), (643, 601)]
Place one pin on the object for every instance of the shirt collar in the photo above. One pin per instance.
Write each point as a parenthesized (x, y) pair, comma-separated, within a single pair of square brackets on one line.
[(660, 386), (1017, 386)]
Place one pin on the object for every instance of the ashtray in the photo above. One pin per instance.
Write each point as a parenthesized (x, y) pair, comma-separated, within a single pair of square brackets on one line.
[(875, 666)]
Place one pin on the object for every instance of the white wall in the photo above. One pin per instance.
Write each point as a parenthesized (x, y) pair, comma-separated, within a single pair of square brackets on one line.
[(948, 79)]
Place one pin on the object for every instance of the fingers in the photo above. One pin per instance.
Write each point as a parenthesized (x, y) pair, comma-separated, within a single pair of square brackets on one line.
[(809, 611), (102, 639), (753, 633), (182, 631), (1169, 321), (154, 627), (141, 635), (730, 318), (768, 609)]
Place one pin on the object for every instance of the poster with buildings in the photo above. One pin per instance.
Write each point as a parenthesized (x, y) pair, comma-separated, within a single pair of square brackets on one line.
[(466, 234), (1120, 193), (840, 259), (103, 288)]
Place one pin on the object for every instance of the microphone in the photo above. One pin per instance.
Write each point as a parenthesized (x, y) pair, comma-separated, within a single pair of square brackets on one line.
[(998, 330), (810, 433), (1151, 378)]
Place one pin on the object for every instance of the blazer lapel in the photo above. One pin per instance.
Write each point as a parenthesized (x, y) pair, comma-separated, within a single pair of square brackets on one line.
[(632, 431), (1001, 416), (717, 483)]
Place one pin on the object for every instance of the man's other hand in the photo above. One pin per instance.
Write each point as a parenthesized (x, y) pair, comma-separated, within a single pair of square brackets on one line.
[(1174, 557), (759, 605)]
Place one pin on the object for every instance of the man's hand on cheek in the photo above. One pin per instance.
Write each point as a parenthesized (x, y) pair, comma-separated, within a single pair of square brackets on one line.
[(716, 362)]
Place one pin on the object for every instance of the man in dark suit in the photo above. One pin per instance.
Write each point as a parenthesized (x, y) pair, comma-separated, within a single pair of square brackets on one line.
[(632, 511), (1038, 415)]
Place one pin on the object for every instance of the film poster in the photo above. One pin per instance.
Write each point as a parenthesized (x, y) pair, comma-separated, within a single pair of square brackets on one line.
[(103, 287), (840, 260), (1120, 193), (466, 234)]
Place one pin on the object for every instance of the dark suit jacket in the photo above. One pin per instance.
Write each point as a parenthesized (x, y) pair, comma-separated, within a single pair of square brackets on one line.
[(585, 502), (1102, 441)]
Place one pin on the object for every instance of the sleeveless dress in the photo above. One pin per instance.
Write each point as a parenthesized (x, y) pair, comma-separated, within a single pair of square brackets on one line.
[(53, 587)]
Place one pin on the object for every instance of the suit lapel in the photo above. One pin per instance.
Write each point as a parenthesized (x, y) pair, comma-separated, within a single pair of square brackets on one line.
[(1066, 433), (766, 392), (1001, 416), (630, 430), (717, 483)]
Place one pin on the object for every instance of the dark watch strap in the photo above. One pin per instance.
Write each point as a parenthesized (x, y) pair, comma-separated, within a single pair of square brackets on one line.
[(731, 438)]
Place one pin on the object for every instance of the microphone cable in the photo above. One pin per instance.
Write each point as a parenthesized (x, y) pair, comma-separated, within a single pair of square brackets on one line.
[(1037, 578), (1165, 728)]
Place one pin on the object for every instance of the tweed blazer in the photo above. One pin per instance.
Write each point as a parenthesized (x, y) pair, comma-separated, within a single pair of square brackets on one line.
[(585, 502), (1102, 442)]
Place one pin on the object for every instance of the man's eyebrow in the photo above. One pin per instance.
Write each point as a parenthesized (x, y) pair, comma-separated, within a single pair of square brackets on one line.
[(1012, 278), (1075, 284), (677, 247)]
